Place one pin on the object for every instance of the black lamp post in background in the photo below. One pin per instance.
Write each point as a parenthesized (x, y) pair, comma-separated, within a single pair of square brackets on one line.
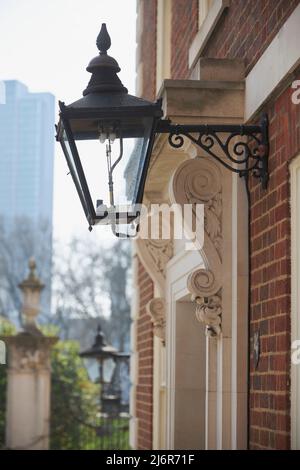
[(113, 425), (102, 352)]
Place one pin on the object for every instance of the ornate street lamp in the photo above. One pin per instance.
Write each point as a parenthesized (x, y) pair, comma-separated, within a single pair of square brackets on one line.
[(109, 114), (103, 352)]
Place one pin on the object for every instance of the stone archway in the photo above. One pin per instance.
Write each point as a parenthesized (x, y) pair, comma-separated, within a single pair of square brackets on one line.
[(219, 290)]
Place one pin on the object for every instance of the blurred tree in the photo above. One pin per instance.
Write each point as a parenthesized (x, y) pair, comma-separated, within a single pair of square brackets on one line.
[(74, 398), (91, 283), (117, 285), (19, 241)]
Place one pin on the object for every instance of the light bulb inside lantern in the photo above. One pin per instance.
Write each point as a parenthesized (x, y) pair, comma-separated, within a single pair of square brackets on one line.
[(102, 137), (112, 137)]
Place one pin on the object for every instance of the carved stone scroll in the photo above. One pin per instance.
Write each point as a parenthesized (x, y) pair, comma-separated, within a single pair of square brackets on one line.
[(198, 181), (156, 308), (155, 254), (206, 291)]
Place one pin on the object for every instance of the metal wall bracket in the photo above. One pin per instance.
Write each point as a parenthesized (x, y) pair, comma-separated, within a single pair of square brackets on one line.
[(242, 156)]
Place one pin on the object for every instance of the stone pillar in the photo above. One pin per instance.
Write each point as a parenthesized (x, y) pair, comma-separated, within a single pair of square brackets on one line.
[(28, 388)]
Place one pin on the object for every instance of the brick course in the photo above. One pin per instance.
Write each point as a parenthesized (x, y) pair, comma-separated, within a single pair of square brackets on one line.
[(184, 27), (145, 362), (247, 28), (270, 282), (148, 49), (244, 32)]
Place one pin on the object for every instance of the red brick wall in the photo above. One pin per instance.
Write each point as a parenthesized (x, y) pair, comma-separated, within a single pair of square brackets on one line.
[(145, 362), (245, 31), (270, 281), (247, 28), (183, 30), (147, 49)]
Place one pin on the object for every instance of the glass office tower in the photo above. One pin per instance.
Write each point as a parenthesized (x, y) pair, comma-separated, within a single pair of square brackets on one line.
[(26, 176)]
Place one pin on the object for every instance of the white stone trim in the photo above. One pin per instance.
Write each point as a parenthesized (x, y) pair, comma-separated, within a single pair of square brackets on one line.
[(295, 297), (234, 313), (206, 29), (133, 424), (159, 386), (178, 271), (163, 42), (156, 387), (280, 58), (203, 9)]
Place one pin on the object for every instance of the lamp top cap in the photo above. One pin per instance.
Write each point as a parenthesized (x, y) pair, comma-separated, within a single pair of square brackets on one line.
[(103, 41), (99, 339), (104, 68)]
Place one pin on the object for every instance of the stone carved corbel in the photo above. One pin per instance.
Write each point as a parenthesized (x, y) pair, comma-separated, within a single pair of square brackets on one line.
[(207, 293), (157, 310), (198, 181), (208, 311), (155, 254)]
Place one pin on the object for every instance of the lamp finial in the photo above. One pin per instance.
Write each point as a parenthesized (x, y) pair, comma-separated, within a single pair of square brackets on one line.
[(103, 40), (104, 68)]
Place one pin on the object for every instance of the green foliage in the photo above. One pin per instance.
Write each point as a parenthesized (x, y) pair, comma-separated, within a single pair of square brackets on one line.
[(75, 421), (49, 330), (73, 396), (6, 329), (2, 403)]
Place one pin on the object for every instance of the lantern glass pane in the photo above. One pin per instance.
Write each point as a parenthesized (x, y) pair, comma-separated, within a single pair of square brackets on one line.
[(77, 178), (126, 174)]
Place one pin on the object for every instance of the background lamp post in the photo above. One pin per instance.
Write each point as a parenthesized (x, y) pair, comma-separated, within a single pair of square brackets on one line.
[(103, 352), (126, 126)]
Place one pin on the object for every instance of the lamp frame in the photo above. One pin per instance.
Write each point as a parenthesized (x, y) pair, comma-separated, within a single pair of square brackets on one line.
[(240, 148)]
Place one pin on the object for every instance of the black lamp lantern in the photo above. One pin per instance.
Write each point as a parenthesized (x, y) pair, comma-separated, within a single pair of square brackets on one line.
[(107, 113), (102, 352), (125, 126)]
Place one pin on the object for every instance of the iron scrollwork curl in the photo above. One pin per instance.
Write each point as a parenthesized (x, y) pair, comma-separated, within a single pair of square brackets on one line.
[(176, 140), (241, 156)]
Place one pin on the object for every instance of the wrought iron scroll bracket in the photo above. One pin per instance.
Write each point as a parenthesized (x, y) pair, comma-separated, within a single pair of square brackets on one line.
[(243, 149)]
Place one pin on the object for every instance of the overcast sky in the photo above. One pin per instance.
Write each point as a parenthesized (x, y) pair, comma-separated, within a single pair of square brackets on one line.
[(47, 44)]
